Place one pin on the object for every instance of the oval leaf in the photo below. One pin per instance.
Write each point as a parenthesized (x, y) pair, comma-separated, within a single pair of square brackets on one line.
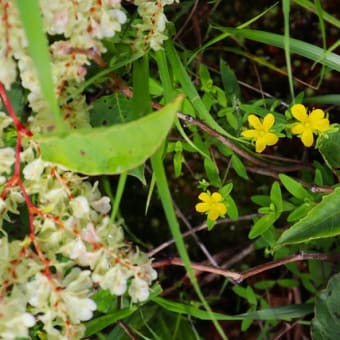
[(110, 150), (322, 221)]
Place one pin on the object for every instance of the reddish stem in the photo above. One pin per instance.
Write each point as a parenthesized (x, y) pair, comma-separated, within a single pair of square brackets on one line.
[(20, 128)]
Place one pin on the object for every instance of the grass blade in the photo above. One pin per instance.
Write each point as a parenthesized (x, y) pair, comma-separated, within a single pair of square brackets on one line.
[(300, 47), (31, 18)]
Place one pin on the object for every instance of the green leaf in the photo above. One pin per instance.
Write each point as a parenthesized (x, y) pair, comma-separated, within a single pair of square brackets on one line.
[(112, 109), (265, 284), (326, 323), (300, 47), (230, 83), (239, 167), (31, 18), (232, 207), (211, 170), (105, 301), (299, 212), (226, 190), (110, 150), (278, 313), (329, 146), (295, 188), (323, 220), (95, 325), (276, 198), (262, 225), (288, 283)]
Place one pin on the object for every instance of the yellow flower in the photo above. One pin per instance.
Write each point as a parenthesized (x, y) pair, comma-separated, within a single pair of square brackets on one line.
[(212, 205), (309, 124), (261, 132)]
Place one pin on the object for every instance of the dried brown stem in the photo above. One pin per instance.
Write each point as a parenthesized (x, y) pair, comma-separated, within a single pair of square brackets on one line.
[(238, 277)]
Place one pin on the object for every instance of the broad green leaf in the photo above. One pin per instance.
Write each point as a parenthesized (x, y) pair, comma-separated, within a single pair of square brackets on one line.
[(110, 150), (323, 220), (112, 109), (95, 325), (277, 313), (295, 188), (329, 146), (31, 18), (326, 323)]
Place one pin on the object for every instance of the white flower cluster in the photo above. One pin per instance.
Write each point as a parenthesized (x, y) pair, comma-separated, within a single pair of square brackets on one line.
[(151, 31), (48, 277), (78, 28), (71, 247)]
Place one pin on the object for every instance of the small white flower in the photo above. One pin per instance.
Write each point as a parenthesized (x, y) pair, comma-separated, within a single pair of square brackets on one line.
[(76, 250), (75, 295), (118, 15), (138, 290), (33, 170), (7, 159), (38, 291), (78, 309), (2, 206), (89, 234), (80, 207), (103, 205), (115, 280)]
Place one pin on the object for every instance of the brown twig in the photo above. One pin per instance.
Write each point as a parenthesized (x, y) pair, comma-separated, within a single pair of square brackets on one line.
[(237, 149), (238, 277), (203, 226)]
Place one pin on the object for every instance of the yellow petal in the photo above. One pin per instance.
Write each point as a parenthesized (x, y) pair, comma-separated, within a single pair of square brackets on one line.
[(307, 138), (222, 209), (268, 121), (250, 133), (217, 197), (316, 115), (203, 196), (255, 122), (270, 138), (323, 125), (299, 112), (202, 207), (260, 145), (217, 211), (213, 215), (297, 129)]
